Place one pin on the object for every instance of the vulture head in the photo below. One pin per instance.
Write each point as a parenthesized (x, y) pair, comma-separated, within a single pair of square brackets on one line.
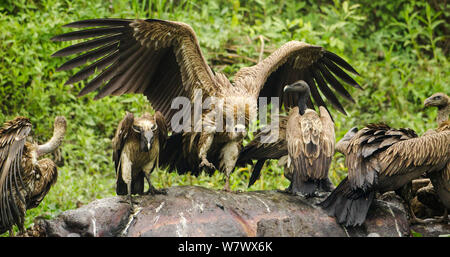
[(59, 130), (341, 146), (439, 100), (146, 127), (302, 89)]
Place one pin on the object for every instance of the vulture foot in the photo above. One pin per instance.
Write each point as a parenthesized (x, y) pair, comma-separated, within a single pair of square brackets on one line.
[(154, 191), (444, 218), (226, 187), (207, 164)]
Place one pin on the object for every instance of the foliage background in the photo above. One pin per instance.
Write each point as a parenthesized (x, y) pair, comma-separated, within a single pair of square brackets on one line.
[(400, 48)]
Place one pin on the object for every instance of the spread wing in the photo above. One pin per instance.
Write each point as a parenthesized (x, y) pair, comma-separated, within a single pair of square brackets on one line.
[(160, 59), (12, 140), (295, 61), (363, 149), (430, 150)]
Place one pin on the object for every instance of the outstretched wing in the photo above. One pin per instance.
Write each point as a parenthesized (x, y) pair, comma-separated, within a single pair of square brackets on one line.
[(160, 59), (295, 61), (12, 140), (122, 133)]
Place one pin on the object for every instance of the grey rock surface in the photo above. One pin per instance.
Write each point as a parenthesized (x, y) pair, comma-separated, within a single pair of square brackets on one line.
[(196, 211)]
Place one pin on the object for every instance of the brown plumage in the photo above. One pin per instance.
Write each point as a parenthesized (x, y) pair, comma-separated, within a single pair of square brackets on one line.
[(440, 179), (24, 180), (307, 140), (163, 60), (310, 140), (380, 158), (136, 147)]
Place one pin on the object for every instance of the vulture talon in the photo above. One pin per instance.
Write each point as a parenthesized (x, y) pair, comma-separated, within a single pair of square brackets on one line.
[(154, 191), (206, 164)]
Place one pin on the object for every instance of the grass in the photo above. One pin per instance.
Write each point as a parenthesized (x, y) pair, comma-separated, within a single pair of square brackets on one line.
[(401, 52)]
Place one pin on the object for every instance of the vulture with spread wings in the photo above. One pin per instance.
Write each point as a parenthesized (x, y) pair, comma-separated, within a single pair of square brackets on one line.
[(163, 60), (24, 180)]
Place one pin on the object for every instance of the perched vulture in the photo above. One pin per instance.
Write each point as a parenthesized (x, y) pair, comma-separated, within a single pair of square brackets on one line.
[(441, 178), (24, 180), (310, 142), (163, 60), (380, 158), (304, 137), (136, 148)]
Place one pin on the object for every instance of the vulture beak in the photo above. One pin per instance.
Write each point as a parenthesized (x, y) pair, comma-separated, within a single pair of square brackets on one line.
[(299, 86), (146, 140), (350, 133), (426, 103)]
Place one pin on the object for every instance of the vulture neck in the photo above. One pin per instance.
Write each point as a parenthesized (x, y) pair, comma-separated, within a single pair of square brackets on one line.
[(58, 135), (442, 115), (302, 103)]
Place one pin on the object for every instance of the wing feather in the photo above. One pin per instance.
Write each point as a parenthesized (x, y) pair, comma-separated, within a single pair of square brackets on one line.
[(138, 56), (12, 141), (299, 61)]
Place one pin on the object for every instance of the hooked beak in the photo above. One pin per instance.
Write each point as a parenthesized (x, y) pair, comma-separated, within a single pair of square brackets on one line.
[(295, 87), (146, 140), (426, 103)]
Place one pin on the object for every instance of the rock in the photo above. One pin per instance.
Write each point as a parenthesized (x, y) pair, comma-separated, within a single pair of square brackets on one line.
[(432, 229), (197, 211)]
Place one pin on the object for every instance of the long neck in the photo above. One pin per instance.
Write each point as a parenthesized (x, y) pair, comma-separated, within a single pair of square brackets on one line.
[(302, 103), (54, 142), (442, 114)]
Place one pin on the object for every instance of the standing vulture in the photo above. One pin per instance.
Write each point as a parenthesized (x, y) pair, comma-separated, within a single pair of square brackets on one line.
[(310, 142), (162, 60), (380, 158), (441, 178), (136, 148), (24, 180)]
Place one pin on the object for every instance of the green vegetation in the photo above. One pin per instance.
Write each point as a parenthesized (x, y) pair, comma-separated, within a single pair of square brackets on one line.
[(400, 48)]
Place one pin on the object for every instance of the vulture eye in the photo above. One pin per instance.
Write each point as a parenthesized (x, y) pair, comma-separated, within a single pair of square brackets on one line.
[(437, 97), (136, 129)]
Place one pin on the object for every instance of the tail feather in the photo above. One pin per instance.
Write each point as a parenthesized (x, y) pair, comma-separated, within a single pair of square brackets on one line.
[(256, 173), (349, 206)]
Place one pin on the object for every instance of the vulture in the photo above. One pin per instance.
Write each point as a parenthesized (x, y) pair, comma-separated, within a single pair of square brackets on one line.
[(163, 61), (24, 180), (440, 179), (305, 138), (136, 147), (381, 158)]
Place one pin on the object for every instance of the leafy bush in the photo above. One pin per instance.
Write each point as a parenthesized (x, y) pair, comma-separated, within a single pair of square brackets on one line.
[(400, 48)]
